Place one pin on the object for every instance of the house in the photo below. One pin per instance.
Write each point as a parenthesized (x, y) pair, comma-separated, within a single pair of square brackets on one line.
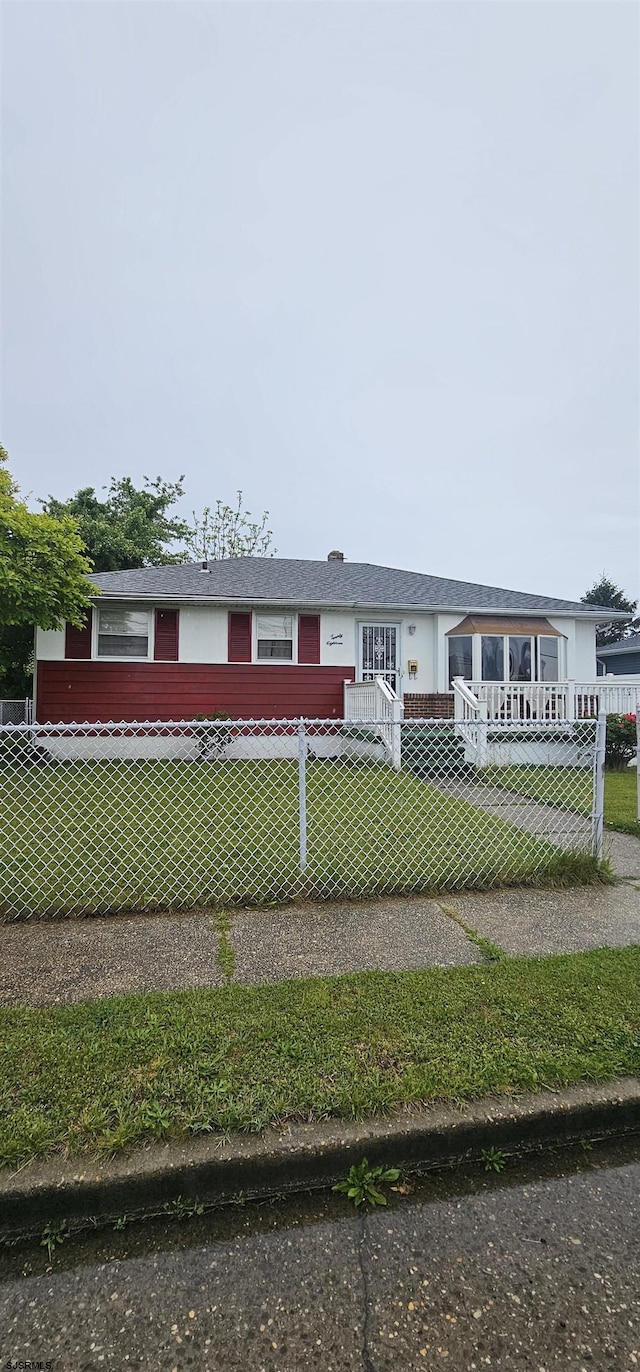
[(620, 659), (277, 638)]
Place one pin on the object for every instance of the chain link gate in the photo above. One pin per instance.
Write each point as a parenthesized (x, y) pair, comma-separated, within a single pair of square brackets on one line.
[(104, 818)]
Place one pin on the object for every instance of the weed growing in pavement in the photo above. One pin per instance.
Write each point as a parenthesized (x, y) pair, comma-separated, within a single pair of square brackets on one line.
[(494, 1160), (52, 1236), (362, 1184), (182, 1209)]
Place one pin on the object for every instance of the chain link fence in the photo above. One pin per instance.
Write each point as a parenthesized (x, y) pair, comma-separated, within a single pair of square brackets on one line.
[(103, 818), (15, 711)]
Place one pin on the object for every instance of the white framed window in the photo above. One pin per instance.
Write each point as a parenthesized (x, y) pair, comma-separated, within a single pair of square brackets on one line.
[(274, 638), (122, 633), (519, 657)]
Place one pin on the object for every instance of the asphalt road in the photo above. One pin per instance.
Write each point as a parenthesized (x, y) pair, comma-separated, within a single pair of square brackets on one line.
[(538, 1268)]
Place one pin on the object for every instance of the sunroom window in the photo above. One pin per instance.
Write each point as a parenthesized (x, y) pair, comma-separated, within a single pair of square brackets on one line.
[(275, 637), (123, 633), (501, 649), (519, 649), (461, 657), (492, 657), (548, 659)]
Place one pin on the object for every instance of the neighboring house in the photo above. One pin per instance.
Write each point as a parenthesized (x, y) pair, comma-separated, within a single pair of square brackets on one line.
[(277, 638), (622, 659)]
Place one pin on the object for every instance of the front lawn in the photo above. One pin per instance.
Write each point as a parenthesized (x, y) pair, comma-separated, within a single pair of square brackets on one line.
[(101, 837), (106, 1074), (569, 788)]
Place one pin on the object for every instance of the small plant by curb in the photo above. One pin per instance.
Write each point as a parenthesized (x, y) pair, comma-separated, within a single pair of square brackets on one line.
[(491, 951), (362, 1184), (52, 1236), (494, 1159)]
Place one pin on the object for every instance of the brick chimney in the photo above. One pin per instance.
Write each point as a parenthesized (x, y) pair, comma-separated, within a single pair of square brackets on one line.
[(335, 556)]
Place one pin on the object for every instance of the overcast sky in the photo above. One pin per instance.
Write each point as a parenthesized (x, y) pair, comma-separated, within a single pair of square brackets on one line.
[(376, 264)]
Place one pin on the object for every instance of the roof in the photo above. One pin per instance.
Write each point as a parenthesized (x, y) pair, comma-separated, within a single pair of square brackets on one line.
[(292, 582), (624, 645), (484, 624)]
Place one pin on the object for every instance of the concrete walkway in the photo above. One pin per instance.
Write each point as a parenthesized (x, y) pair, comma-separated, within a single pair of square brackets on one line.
[(55, 963), (565, 828)]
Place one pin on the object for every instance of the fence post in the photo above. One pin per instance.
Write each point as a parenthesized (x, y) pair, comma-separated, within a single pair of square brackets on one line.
[(482, 749), (396, 742), (302, 792), (571, 704), (598, 790), (638, 758)]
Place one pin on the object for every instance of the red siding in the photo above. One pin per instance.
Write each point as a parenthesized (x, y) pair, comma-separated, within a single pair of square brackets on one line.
[(77, 642), (92, 691), (166, 637), (308, 638), (239, 637)]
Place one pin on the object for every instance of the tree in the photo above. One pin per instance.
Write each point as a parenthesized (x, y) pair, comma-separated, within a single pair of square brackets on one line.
[(228, 531), (131, 527), (43, 567), (605, 592)]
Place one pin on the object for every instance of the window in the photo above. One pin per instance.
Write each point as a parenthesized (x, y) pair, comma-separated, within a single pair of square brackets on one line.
[(519, 658), (275, 637), (461, 657), (548, 659), (492, 657), (123, 633)]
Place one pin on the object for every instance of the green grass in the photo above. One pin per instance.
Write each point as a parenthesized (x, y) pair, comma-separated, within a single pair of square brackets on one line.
[(621, 801), (100, 837), (106, 1074), (570, 788)]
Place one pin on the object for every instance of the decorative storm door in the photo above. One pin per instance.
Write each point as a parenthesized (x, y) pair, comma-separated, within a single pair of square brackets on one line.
[(380, 653)]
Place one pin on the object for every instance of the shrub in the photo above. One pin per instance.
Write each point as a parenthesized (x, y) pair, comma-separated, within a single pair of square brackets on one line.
[(621, 740)]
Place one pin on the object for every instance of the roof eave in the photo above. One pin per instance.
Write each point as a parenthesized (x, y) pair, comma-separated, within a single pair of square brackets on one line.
[(594, 615)]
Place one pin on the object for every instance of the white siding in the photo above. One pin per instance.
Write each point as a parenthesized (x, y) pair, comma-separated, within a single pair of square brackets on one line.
[(338, 644), (203, 634), (585, 651), (50, 645)]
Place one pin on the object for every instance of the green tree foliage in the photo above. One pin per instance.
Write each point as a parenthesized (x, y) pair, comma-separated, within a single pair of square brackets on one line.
[(43, 580), (43, 567), (605, 592), (229, 531), (132, 527)]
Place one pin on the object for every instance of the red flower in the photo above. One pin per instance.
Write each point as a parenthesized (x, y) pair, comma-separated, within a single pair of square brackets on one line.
[(631, 718)]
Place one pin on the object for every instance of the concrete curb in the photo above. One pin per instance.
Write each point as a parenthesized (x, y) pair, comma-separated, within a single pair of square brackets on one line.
[(304, 1157)]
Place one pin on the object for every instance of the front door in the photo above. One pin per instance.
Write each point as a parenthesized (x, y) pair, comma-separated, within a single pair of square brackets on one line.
[(379, 653)]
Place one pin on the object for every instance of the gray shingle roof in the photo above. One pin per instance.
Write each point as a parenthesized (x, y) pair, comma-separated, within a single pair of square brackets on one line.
[(291, 581), (624, 645)]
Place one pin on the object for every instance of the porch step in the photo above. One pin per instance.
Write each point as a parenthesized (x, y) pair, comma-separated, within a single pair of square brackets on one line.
[(430, 752)]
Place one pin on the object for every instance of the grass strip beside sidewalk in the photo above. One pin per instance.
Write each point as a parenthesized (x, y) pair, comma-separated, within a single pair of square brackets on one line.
[(106, 1074)]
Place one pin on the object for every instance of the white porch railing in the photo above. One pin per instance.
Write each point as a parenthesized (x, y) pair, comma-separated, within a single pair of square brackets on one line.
[(376, 703), (557, 700), (616, 695), (470, 715)]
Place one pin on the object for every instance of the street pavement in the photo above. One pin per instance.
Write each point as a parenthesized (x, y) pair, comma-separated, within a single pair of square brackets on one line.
[(535, 1269)]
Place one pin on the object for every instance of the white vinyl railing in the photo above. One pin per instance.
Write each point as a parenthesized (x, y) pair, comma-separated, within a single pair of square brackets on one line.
[(470, 715), (375, 700), (615, 695), (557, 700)]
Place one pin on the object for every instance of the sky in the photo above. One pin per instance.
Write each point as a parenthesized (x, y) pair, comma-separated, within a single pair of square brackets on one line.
[(374, 264)]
